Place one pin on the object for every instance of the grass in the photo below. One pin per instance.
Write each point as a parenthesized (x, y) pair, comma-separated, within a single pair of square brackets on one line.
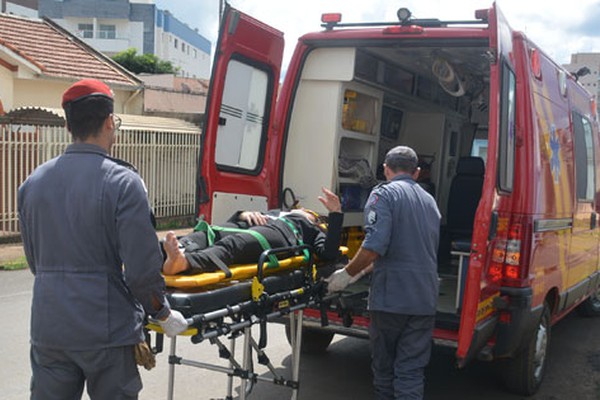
[(13, 265)]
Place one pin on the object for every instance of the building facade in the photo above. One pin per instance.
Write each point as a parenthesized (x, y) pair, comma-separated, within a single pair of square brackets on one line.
[(590, 81), (112, 26), (24, 8)]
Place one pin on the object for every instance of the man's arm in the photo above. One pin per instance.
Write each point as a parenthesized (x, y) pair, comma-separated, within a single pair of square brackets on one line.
[(138, 247), (362, 259)]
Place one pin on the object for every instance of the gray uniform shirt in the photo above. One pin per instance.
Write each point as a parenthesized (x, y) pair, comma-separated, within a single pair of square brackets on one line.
[(402, 224), (89, 240)]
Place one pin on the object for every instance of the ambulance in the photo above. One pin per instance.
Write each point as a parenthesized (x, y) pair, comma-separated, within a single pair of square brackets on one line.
[(507, 141)]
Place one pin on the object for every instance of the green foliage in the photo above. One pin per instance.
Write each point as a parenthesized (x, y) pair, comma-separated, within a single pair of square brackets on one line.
[(138, 63), (19, 263)]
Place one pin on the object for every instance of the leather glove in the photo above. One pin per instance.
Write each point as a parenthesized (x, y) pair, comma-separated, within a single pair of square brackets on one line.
[(174, 324), (338, 281), (144, 356)]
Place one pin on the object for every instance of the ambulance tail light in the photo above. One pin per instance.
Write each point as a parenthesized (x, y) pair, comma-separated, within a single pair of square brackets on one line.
[(510, 252)]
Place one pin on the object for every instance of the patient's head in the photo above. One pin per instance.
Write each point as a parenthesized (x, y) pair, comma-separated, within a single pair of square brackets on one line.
[(312, 216)]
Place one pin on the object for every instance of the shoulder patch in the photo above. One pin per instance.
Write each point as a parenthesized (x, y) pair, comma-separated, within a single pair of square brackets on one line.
[(373, 199), (372, 217)]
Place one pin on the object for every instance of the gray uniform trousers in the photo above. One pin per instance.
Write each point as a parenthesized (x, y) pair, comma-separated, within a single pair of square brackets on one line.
[(110, 374), (401, 347)]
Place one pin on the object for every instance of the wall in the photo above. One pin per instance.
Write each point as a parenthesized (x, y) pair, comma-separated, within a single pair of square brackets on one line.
[(84, 8), (145, 13), (25, 9), (128, 34), (41, 93), (6, 88)]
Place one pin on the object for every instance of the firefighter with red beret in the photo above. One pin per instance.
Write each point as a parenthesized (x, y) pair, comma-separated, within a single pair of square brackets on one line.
[(89, 241)]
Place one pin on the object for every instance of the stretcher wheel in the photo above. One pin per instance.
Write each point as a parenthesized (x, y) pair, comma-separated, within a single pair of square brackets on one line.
[(314, 340)]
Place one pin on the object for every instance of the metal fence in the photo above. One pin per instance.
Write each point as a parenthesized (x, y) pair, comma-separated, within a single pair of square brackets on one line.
[(167, 162)]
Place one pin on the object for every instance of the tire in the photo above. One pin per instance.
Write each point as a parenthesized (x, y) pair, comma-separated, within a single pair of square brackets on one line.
[(525, 372), (314, 341), (591, 306)]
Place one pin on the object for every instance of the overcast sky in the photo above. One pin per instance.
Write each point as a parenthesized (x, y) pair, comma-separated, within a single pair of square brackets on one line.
[(560, 28)]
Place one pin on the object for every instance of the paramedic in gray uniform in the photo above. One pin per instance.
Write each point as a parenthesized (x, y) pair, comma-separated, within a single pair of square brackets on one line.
[(89, 241), (402, 224)]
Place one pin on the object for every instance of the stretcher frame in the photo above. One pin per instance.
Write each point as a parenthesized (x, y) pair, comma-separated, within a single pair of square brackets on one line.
[(236, 322)]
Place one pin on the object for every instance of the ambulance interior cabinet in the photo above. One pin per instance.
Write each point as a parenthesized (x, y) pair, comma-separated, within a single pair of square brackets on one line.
[(358, 135)]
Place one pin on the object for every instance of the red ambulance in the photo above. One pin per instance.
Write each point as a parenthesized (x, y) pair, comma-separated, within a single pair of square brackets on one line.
[(508, 139)]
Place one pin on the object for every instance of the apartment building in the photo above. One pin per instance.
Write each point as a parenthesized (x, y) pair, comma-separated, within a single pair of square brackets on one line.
[(591, 81), (112, 26)]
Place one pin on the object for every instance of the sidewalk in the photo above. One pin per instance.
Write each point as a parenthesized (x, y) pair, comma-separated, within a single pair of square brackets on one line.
[(14, 251)]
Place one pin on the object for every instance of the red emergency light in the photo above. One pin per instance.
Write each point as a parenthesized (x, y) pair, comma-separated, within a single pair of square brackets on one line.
[(393, 30), (331, 18)]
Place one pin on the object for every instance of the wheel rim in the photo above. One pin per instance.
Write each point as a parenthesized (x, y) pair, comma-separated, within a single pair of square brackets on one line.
[(541, 345)]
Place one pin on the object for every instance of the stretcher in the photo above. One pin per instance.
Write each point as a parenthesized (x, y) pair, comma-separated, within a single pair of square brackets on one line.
[(219, 304)]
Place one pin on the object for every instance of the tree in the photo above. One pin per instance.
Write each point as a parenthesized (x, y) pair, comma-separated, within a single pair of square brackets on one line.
[(138, 63)]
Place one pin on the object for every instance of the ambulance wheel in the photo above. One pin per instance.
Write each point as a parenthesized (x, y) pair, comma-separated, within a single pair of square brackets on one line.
[(525, 372), (591, 306), (314, 341)]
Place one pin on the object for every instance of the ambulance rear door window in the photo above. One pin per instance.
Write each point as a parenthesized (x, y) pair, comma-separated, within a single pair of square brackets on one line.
[(243, 118), (506, 165)]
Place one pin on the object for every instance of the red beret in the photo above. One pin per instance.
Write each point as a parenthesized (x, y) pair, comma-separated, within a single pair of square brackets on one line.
[(85, 88)]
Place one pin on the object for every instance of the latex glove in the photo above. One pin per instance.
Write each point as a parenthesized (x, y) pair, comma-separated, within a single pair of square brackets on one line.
[(174, 324), (338, 281)]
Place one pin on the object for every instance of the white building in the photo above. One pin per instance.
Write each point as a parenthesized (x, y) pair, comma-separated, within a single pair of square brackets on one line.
[(112, 26), (590, 81)]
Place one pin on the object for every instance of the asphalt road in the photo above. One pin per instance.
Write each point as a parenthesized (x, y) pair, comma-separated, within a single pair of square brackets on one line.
[(340, 373)]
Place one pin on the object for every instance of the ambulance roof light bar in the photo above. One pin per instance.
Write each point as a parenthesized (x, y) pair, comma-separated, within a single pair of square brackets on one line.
[(333, 20)]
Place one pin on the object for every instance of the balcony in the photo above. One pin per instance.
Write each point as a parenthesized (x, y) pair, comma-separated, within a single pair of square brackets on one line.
[(109, 45)]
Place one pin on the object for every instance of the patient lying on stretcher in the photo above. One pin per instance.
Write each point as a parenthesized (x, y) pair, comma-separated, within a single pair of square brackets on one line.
[(193, 253)]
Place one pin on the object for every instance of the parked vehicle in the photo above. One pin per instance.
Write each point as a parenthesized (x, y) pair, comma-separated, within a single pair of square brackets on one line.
[(509, 137)]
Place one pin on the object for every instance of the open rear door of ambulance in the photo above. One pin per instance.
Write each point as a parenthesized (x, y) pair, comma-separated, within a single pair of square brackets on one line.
[(478, 317), (236, 169)]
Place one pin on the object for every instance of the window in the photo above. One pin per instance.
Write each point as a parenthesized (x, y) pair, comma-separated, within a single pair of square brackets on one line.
[(506, 140), (195, 54), (183, 47), (584, 158), (479, 149), (86, 31), (107, 32), (175, 43), (243, 118)]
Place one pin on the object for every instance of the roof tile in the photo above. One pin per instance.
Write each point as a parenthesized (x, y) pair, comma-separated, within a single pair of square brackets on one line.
[(56, 52)]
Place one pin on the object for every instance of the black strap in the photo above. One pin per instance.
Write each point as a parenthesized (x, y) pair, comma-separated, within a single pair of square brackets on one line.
[(222, 266)]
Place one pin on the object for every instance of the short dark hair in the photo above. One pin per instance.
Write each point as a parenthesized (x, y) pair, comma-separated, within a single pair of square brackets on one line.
[(401, 158), (85, 117)]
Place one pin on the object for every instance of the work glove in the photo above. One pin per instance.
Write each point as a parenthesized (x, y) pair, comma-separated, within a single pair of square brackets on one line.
[(144, 356), (338, 281), (174, 324)]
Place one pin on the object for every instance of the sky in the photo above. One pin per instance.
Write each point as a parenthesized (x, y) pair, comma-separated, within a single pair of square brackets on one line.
[(560, 28)]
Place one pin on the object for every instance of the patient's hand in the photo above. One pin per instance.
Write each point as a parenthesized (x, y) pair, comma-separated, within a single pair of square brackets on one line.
[(330, 200), (253, 218)]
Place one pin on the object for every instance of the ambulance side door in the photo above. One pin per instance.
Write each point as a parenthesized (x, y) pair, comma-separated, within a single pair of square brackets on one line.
[(236, 170)]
